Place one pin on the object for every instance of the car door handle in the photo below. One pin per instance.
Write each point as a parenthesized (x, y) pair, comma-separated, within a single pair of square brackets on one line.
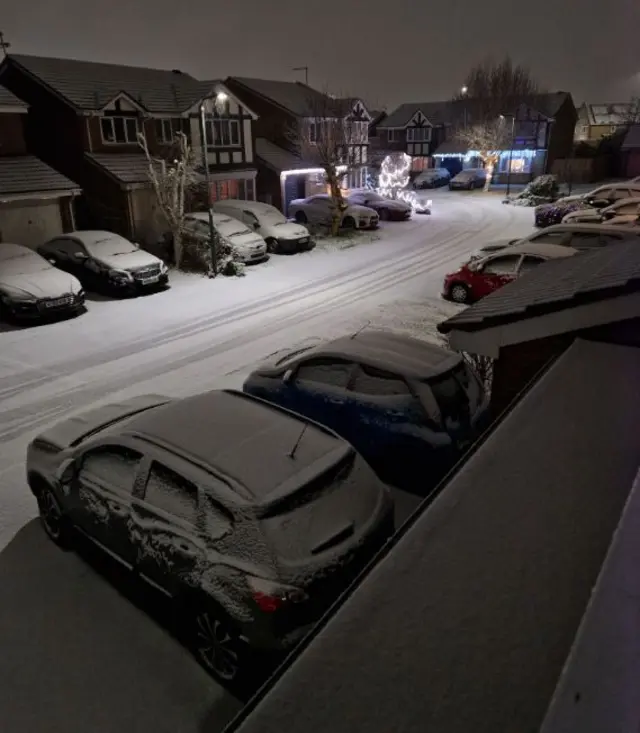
[(116, 508)]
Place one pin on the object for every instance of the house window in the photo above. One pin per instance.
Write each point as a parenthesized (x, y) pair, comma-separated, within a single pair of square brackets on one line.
[(393, 135), (313, 132), (119, 130), (223, 133), (518, 165), (418, 134), (359, 132), (167, 129)]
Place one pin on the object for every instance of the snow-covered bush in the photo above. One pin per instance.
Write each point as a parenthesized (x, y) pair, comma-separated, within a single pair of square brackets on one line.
[(197, 257), (542, 190)]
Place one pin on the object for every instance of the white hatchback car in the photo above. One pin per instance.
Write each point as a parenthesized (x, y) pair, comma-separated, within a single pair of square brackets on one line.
[(246, 245), (623, 213), (317, 210)]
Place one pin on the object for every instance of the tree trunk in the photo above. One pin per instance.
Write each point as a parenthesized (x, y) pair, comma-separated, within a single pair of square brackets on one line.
[(177, 248), (337, 205), (487, 182)]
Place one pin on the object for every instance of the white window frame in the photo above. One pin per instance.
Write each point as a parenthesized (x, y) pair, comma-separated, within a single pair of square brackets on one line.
[(126, 141), (217, 123), (411, 135)]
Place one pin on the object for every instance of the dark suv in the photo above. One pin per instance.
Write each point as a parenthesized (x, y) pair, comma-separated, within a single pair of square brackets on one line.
[(249, 516)]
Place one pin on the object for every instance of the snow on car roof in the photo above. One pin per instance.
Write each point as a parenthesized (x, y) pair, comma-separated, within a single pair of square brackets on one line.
[(544, 249), (204, 216), (11, 251), (392, 352), (94, 236), (246, 440)]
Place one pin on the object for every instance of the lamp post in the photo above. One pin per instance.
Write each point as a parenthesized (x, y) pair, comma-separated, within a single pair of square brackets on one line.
[(213, 237), (463, 94), (511, 144)]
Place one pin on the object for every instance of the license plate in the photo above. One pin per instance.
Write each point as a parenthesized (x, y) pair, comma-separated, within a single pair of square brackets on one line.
[(149, 280), (56, 302)]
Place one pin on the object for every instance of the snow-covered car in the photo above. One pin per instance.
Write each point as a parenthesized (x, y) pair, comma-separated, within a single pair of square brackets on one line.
[(251, 518), (623, 212), (573, 234), (386, 208), (410, 408), (106, 262), (318, 210), (281, 236), (432, 178), (247, 245), (468, 179), (31, 288), (599, 198)]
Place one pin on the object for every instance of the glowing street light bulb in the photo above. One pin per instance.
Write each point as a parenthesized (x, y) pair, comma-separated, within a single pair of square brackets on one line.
[(221, 97), (464, 90)]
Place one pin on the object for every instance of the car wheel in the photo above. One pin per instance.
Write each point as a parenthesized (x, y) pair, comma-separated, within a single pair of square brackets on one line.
[(459, 293), (384, 214), (52, 517), (272, 246), (349, 223), (300, 217), (216, 646)]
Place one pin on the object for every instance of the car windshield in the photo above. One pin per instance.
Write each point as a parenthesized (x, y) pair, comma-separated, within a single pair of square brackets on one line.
[(371, 197), (273, 218), (24, 264), (231, 227), (457, 394), (110, 246), (291, 355)]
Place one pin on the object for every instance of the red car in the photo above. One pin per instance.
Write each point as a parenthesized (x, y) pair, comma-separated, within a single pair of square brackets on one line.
[(478, 278)]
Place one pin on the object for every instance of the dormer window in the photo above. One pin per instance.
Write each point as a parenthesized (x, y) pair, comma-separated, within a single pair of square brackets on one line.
[(119, 130)]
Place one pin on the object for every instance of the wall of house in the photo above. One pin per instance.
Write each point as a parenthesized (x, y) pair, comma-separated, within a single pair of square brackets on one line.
[(12, 139), (273, 123), (30, 222), (631, 163), (561, 133), (268, 187), (518, 364), (148, 220)]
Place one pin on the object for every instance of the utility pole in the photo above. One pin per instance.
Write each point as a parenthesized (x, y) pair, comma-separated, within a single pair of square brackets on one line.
[(4, 45), (306, 72)]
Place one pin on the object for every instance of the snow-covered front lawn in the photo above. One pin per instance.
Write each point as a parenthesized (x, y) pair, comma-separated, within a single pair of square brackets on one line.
[(346, 240)]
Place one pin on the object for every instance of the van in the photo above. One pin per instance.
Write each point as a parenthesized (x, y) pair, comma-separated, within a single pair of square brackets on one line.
[(281, 236)]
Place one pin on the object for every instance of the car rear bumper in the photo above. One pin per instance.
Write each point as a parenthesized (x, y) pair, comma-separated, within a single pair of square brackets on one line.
[(44, 310)]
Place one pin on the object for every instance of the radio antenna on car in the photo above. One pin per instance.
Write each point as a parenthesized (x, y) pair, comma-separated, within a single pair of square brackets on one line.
[(360, 330), (297, 443)]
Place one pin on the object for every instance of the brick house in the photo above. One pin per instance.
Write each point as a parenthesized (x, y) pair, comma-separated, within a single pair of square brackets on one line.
[(84, 119), (35, 200), (599, 120), (543, 131), (526, 325), (283, 106)]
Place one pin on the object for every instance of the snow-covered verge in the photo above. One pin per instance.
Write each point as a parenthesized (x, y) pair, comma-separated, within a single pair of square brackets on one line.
[(346, 240)]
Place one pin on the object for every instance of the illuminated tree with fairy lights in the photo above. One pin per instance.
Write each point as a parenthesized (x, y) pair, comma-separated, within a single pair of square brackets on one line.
[(394, 179)]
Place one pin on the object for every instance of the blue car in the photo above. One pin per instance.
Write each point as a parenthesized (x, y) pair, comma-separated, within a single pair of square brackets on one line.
[(408, 407)]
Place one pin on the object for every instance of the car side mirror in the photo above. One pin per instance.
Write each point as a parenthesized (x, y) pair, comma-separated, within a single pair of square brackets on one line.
[(67, 471), (256, 225), (599, 202), (287, 376), (52, 260), (474, 266), (79, 256)]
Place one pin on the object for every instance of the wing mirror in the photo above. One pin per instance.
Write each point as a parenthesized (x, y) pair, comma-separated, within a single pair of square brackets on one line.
[(474, 266), (79, 256), (256, 225), (66, 472), (52, 260), (599, 203), (287, 376)]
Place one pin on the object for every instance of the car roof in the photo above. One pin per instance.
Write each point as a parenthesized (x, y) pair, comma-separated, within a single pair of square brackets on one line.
[(541, 249), (248, 205), (204, 216), (243, 438), (602, 228), (624, 202), (393, 352), (90, 236), (11, 251)]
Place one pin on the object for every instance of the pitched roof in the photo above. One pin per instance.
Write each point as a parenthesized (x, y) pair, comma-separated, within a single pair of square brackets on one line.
[(446, 629), (632, 138), (88, 85), (25, 174), (611, 113), (556, 285), (7, 99), (277, 158), (127, 168), (451, 111), (293, 96)]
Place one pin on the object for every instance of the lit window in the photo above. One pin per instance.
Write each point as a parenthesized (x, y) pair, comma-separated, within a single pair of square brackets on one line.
[(518, 165)]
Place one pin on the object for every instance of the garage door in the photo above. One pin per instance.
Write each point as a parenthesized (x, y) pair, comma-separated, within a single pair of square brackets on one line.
[(30, 224)]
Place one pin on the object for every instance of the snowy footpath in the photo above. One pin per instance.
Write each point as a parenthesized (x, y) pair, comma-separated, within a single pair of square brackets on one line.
[(199, 335)]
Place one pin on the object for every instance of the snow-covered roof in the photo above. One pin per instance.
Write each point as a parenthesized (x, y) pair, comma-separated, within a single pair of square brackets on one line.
[(393, 352), (243, 439), (24, 174), (277, 158), (127, 168), (615, 113)]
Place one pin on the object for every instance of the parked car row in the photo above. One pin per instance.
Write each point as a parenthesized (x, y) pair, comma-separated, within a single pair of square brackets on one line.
[(499, 263), (52, 280), (253, 557)]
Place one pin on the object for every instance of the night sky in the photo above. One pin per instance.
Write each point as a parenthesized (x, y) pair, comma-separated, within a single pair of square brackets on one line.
[(385, 51)]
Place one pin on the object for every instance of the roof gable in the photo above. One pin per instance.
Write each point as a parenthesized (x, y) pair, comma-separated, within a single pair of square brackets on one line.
[(294, 97), (10, 101)]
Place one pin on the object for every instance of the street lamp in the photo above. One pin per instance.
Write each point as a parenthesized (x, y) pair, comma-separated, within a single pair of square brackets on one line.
[(511, 144), (463, 94), (213, 237)]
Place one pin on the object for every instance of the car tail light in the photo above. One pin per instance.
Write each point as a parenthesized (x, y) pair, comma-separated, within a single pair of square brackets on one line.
[(270, 595)]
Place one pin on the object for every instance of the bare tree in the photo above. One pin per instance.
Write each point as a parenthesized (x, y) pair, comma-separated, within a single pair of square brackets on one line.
[(170, 179), (323, 139), (487, 139)]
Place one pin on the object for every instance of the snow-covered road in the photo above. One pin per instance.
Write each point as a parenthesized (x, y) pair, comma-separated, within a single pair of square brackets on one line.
[(113, 668), (203, 334)]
